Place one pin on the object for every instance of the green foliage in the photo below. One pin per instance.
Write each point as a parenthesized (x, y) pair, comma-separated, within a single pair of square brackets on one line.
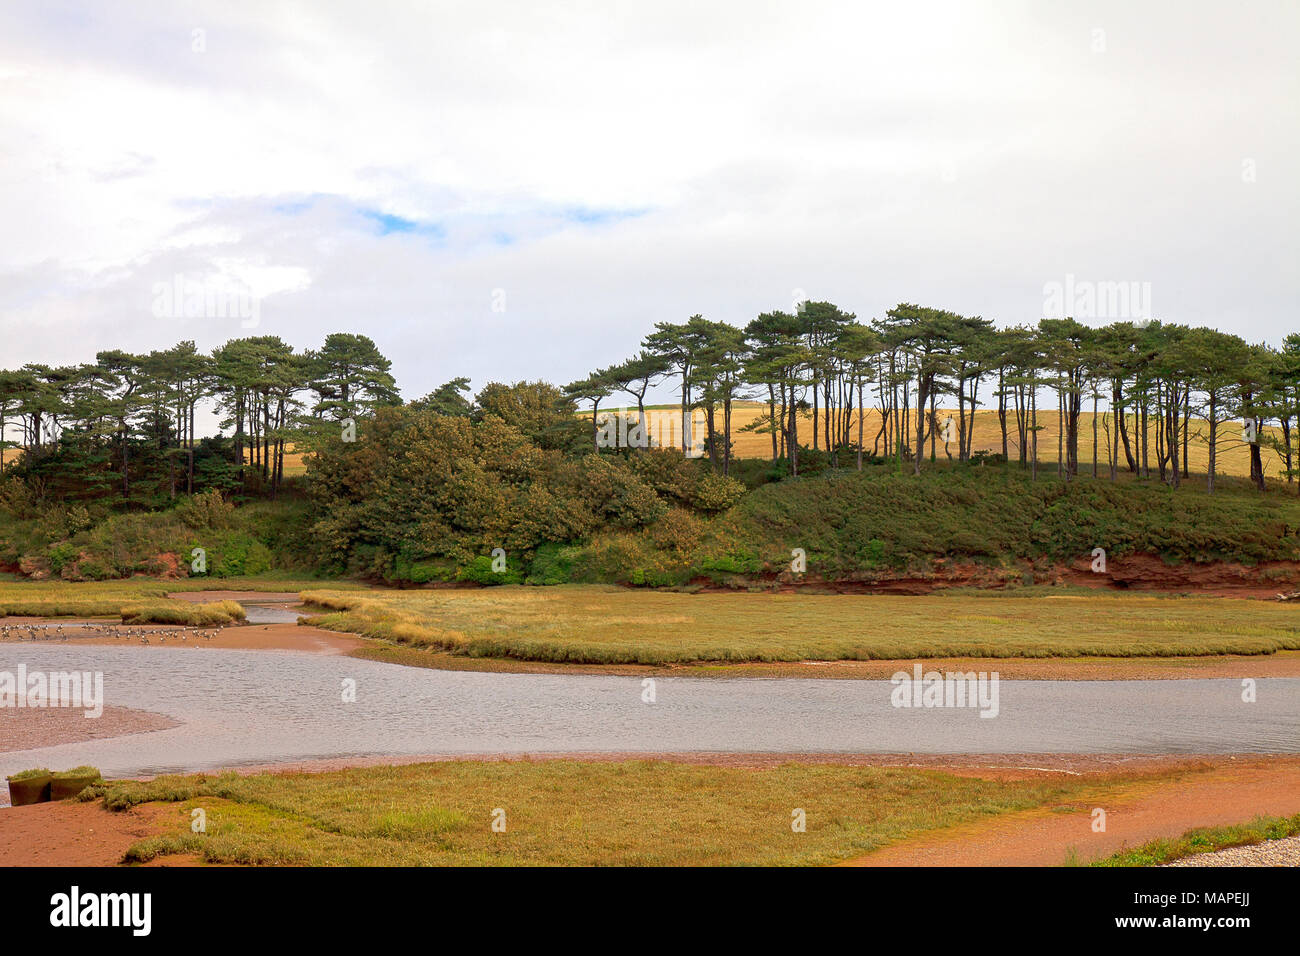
[(479, 571), (239, 554), (738, 562), (552, 564), (421, 572), (420, 493), (205, 511)]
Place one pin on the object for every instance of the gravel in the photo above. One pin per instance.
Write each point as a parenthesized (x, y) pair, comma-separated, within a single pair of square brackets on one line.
[(1284, 852)]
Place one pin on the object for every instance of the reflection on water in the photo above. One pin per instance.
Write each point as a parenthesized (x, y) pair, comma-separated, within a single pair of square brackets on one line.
[(248, 707), (271, 614)]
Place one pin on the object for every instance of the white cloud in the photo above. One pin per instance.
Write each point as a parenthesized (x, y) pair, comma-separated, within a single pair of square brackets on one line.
[(613, 165)]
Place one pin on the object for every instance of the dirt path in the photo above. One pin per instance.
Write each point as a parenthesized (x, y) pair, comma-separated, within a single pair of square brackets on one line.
[(1136, 813)]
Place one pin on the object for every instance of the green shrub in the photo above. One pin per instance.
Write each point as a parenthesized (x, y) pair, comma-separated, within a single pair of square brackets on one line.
[(552, 564), (239, 554), (479, 571)]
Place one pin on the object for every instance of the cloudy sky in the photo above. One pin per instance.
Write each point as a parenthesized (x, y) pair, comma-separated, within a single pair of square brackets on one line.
[(520, 190)]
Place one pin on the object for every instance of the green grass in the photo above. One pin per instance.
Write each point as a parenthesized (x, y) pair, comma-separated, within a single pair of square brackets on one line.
[(29, 774), (567, 813), (1205, 840), (85, 770), (606, 625)]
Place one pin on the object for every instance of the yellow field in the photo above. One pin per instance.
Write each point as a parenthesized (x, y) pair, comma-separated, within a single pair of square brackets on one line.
[(1233, 455)]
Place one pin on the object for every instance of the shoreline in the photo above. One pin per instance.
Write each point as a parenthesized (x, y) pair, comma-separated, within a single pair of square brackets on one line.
[(1148, 798)]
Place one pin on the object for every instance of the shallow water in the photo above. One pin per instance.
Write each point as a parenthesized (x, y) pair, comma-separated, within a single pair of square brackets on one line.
[(270, 614), (251, 707)]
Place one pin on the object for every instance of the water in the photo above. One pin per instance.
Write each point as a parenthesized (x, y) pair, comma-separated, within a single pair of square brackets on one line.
[(270, 614), (251, 707)]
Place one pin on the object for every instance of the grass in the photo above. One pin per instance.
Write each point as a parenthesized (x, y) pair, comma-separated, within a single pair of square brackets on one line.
[(650, 813), (85, 770), (606, 625), (29, 774), (138, 600), (1205, 840), (184, 613)]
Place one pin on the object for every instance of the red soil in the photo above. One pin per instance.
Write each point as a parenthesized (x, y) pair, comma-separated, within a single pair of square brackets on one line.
[(1134, 572), (1136, 813)]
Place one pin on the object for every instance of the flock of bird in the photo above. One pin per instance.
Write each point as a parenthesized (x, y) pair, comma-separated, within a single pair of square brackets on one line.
[(57, 632)]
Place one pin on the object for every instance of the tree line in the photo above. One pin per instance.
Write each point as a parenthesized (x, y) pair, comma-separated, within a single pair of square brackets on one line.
[(127, 415), (876, 390), (1163, 385)]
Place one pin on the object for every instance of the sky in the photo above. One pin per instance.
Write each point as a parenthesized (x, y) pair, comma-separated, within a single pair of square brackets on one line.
[(513, 191)]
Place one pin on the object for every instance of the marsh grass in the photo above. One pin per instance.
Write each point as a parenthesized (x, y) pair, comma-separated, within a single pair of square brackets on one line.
[(637, 812), (139, 600), (1205, 840), (608, 625), (183, 613)]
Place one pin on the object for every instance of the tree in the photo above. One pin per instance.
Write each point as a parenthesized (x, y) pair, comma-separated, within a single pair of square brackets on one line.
[(350, 377), (447, 399), (635, 377), (678, 346)]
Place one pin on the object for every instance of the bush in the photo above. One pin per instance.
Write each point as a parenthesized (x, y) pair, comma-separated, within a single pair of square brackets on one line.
[(206, 511), (479, 571), (552, 564), (239, 554)]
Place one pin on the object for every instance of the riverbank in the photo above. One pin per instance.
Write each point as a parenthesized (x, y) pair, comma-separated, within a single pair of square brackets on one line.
[(707, 810), (1254, 666), (602, 625)]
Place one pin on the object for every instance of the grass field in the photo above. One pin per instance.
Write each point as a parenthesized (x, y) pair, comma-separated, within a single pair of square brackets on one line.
[(607, 625), (1232, 455), (572, 813)]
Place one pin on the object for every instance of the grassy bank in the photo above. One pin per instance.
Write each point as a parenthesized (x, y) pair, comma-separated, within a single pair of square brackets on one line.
[(1205, 840), (605, 625), (138, 600), (569, 813)]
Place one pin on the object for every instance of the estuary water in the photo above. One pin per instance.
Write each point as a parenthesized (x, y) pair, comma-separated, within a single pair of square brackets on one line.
[(253, 707)]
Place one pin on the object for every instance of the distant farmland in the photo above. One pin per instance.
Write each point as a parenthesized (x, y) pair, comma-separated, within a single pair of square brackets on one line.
[(1233, 455)]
